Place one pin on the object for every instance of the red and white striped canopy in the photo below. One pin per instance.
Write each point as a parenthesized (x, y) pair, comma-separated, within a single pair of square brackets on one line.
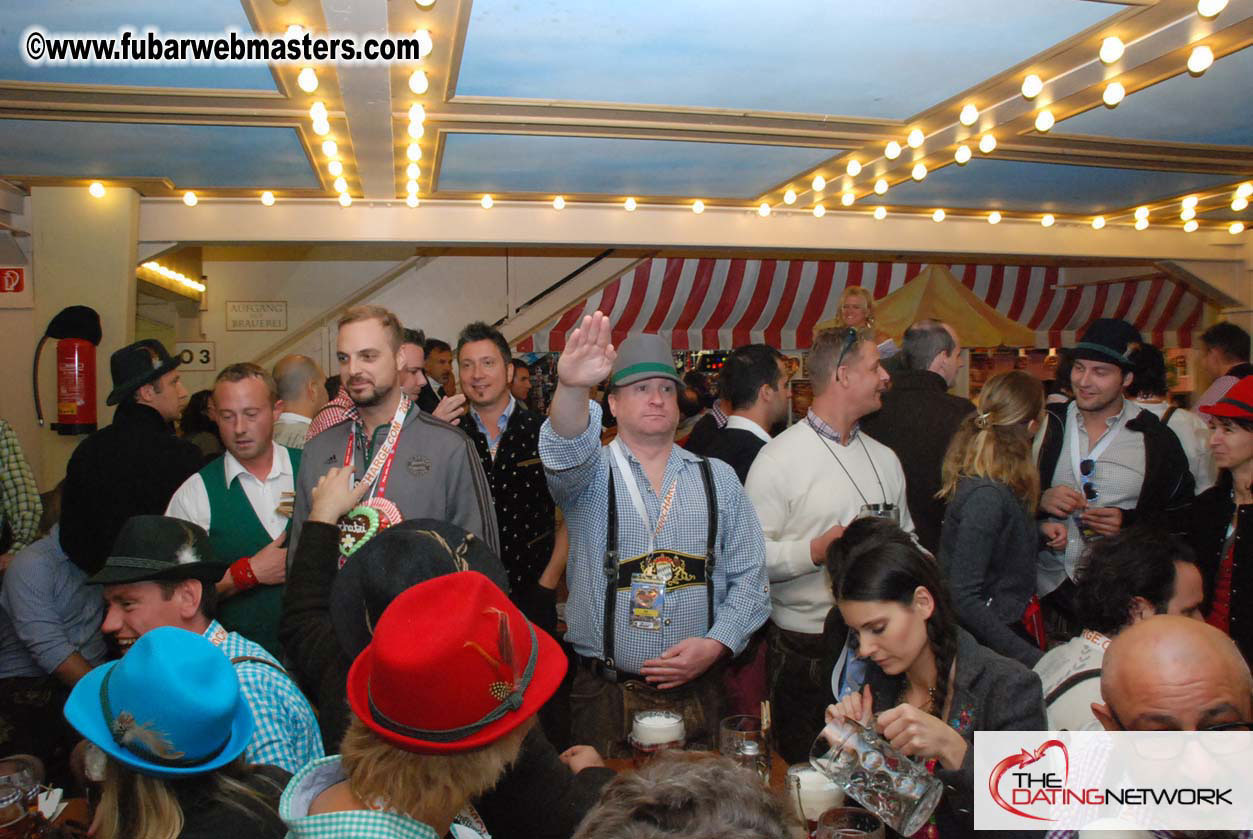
[(707, 303)]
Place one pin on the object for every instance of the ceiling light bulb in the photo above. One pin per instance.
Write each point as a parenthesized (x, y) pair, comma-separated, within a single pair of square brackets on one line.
[(763, 210), (1236, 227), (295, 30), (1210, 8), (329, 148), (1239, 204), (962, 155), (1031, 86), (915, 138), (987, 143), (1244, 190), (1113, 94), (1190, 202), (418, 83), (1142, 212), (1047, 220), (345, 200), (847, 199), (412, 199), (892, 150), (411, 187), (1191, 226), (819, 211), (307, 80), (1200, 60), (417, 113), (853, 168), (96, 190), (486, 202), (414, 152), (1141, 223), (629, 205), (880, 213), (321, 128), (318, 112), (1187, 214), (919, 171), (1044, 120), (413, 171), (1111, 49), (937, 216), (698, 206), (335, 168), (267, 198), (425, 42), (789, 197), (1098, 222), (994, 217), (881, 186), (968, 115), (425, 4), (416, 130), (340, 185), (559, 203), (189, 198), (819, 183)]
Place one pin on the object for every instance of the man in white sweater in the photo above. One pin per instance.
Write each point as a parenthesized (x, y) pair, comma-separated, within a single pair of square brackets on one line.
[(807, 484)]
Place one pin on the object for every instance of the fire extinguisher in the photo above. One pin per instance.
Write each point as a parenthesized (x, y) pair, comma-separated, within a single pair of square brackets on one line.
[(77, 330)]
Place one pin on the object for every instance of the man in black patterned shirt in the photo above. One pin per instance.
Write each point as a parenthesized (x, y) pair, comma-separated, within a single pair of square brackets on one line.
[(506, 436)]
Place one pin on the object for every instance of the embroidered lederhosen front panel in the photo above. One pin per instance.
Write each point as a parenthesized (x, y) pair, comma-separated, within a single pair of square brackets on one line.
[(673, 569)]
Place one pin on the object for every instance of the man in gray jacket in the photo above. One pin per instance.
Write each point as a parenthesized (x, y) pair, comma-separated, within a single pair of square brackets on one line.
[(415, 466)]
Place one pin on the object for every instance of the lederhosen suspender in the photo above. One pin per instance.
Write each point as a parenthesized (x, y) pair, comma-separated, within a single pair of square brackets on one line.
[(611, 563)]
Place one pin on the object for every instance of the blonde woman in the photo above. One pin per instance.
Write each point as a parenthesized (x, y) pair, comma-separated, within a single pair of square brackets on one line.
[(857, 311), (172, 724), (989, 540)]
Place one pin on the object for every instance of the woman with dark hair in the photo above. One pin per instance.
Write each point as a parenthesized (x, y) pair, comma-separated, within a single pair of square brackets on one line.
[(929, 684), (197, 426), (1220, 520)]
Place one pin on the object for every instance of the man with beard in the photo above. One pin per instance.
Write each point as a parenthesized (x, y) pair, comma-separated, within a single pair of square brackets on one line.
[(416, 466), (238, 499), (1105, 464)]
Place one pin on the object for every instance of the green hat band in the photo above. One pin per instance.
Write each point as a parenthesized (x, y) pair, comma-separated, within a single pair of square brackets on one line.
[(657, 367)]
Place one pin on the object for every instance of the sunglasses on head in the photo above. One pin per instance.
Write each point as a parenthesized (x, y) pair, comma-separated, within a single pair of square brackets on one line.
[(1086, 467), (850, 341)]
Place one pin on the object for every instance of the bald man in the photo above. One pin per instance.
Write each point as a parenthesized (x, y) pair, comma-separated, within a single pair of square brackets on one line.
[(1171, 673), (302, 391)]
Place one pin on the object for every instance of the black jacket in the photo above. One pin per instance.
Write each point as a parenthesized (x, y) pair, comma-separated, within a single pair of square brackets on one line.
[(1207, 518), (702, 435), (1168, 485), (129, 468), (207, 818), (737, 448), (918, 419), (525, 512), (988, 553), (537, 796), (992, 693)]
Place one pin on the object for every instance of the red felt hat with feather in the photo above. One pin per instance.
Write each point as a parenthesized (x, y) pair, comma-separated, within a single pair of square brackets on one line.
[(453, 666)]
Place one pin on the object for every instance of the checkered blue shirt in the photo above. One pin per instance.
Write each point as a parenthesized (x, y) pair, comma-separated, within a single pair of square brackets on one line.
[(287, 733), (578, 476)]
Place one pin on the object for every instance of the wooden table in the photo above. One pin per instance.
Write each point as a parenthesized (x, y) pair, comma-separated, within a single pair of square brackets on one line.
[(75, 811)]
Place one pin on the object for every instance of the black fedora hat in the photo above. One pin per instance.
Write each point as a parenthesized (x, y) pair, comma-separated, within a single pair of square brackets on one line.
[(397, 559), (159, 548), (1110, 340), (136, 365)]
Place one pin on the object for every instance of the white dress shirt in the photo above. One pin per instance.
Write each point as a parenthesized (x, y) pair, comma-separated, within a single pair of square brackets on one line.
[(191, 501), (745, 424)]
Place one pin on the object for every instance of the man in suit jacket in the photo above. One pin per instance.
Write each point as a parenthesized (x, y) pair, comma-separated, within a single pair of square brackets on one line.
[(919, 417), (754, 381)]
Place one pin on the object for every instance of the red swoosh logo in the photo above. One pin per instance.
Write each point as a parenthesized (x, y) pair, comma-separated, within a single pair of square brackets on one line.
[(1025, 758)]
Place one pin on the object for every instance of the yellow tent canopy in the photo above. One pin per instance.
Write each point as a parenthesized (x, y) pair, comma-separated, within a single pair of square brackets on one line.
[(935, 293)]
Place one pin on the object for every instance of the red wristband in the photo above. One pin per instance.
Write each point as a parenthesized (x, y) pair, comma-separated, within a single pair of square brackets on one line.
[(242, 574)]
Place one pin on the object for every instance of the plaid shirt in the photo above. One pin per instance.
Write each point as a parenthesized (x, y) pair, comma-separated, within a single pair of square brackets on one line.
[(287, 733), (320, 775), (824, 430), (578, 477), (19, 496)]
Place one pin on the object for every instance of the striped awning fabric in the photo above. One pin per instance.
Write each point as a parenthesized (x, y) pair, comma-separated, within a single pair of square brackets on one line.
[(709, 303)]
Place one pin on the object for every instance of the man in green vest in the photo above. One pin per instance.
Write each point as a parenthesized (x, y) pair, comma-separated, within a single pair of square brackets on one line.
[(243, 500)]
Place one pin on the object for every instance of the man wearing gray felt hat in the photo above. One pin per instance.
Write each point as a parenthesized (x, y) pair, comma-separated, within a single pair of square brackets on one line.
[(667, 564)]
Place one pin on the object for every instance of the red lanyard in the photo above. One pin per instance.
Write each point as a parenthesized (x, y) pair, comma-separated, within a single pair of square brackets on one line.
[(387, 451)]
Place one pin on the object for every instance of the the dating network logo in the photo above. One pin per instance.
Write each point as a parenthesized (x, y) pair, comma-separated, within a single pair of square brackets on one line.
[(1026, 787)]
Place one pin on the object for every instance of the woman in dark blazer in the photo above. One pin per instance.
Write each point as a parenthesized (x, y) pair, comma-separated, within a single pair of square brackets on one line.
[(929, 684), (989, 543)]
